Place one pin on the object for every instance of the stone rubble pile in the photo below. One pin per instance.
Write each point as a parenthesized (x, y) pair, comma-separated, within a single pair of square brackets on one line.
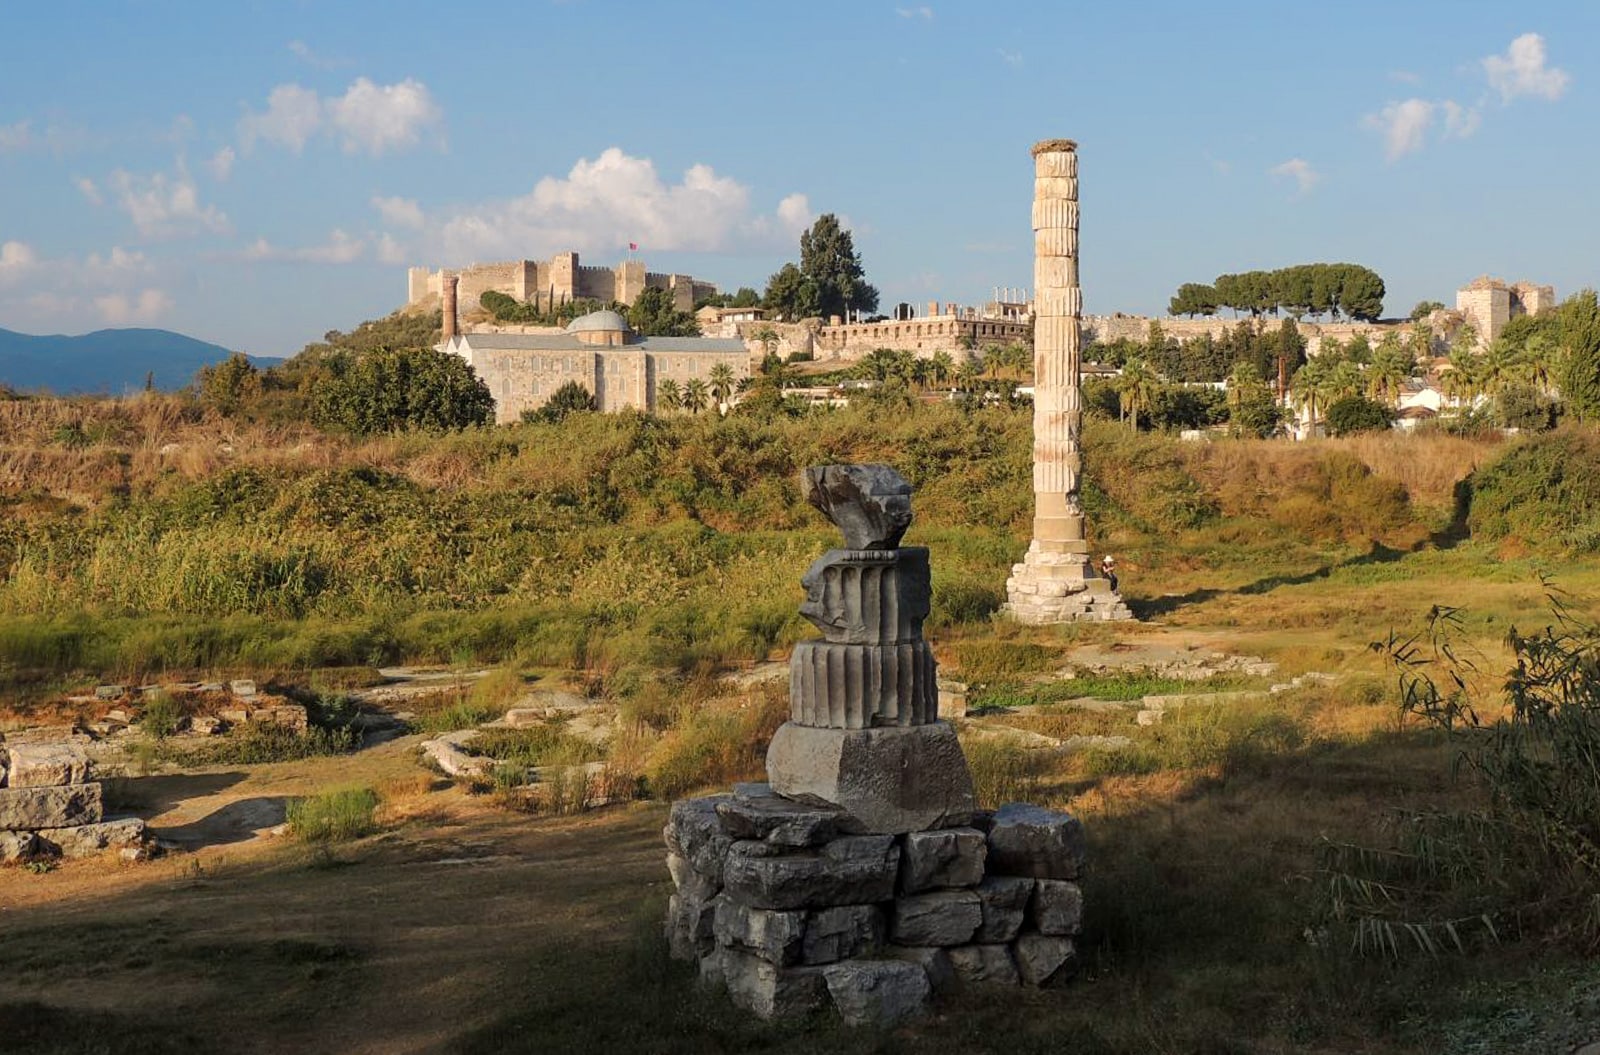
[(793, 909), (49, 806)]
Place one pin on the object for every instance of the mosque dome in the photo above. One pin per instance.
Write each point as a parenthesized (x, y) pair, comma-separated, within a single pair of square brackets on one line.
[(598, 322)]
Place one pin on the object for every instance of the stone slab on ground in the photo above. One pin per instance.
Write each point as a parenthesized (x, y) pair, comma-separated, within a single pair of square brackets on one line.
[(889, 779), (455, 761), (945, 917), (984, 964), (948, 857), (1057, 907), (64, 806), (841, 932), (1042, 958), (880, 993), (1027, 840), (1004, 900), (769, 991), (46, 765), (854, 870), (86, 840)]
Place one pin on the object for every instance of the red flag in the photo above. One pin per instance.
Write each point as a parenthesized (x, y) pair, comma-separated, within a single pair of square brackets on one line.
[(633, 247)]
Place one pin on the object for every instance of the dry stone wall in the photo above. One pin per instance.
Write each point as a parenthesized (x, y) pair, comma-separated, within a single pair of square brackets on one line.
[(50, 806)]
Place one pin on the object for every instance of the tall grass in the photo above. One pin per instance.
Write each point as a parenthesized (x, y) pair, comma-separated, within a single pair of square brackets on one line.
[(334, 816)]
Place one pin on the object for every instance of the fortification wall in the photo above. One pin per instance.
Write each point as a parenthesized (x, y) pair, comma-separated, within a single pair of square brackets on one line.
[(1105, 329), (562, 277), (597, 282), (922, 337)]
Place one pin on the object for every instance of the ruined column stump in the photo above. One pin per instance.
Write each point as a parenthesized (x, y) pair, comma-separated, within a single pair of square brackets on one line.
[(860, 877), (1056, 581)]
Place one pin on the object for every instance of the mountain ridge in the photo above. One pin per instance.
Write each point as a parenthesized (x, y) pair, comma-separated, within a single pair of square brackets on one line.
[(109, 361)]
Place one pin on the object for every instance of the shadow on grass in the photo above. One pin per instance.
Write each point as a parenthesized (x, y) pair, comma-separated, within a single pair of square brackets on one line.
[(236, 822), (152, 796), (1154, 607)]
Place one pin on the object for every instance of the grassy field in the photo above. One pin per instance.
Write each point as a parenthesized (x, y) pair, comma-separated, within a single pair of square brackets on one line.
[(631, 560)]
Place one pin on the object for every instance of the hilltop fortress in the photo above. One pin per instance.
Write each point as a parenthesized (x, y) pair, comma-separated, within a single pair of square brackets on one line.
[(561, 278)]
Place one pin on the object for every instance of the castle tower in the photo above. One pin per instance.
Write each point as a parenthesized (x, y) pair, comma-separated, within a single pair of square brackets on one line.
[(1057, 582)]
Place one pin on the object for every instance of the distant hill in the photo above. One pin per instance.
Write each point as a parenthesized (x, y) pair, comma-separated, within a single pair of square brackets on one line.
[(106, 361)]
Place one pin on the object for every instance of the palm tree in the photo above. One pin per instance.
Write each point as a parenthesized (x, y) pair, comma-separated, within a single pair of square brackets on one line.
[(669, 396), (721, 383), (696, 395), (1500, 367), (941, 367), (1310, 384), (967, 373), (1462, 379), (1344, 379), (919, 373), (1136, 387), (1244, 388)]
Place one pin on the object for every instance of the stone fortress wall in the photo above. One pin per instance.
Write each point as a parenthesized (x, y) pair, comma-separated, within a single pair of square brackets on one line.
[(1488, 304), (562, 277), (618, 379)]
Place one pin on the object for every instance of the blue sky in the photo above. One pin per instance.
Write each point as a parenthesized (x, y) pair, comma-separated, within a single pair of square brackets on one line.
[(257, 173)]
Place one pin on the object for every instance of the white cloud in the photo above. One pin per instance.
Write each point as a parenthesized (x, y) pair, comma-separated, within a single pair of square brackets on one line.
[(390, 251), (368, 117), (605, 203), (794, 213), (16, 137), (399, 212), (120, 309), (163, 206), (1010, 58), (1522, 71), (924, 12), (118, 262), (90, 192), (1299, 170), (293, 115), (305, 54), (221, 164), (340, 248), (1404, 125), (376, 118), (1460, 121), (16, 258)]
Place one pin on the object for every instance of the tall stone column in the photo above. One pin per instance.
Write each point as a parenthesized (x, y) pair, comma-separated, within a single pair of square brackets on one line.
[(1057, 582)]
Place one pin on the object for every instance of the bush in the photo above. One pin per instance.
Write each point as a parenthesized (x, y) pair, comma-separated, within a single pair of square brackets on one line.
[(570, 398), (1354, 414), (402, 388), (334, 816), (1544, 490)]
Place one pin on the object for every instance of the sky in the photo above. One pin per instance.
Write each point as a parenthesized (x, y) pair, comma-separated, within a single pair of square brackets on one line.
[(257, 173)]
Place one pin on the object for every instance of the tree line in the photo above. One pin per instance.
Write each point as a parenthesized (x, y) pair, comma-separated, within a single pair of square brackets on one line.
[(1306, 289)]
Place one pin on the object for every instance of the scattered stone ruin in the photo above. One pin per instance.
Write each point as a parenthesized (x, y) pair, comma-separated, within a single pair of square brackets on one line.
[(860, 876), (1056, 582), (49, 806)]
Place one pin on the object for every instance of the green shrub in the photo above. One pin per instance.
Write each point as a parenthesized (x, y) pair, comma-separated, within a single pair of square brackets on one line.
[(1544, 490), (539, 745), (334, 816), (1352, 414), (160, 715)]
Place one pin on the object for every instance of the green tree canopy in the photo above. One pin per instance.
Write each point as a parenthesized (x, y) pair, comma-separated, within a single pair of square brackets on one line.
[(653, 315), (1424, 308), (792, 295), (1579, 319), (227, 386), (1305, 289), (829, 259), (570, 398), (401, 388), (1351, 414)]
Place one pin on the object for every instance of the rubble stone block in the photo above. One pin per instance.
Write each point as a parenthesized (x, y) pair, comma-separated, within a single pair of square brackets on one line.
[(984, 965), (1005, 904), (854, 870), (945, 857), (1026, 840), (880, 993), (14, 846), (86, 840), (694, 832), (769, 991), (933, 960), (689, 882), (1044, 958), (774, 936), (889, 779), (946, 917), (690, 927), (842, 932), (711, 976), (29, 809), (1057, 907), (778, 820), (46, 765)]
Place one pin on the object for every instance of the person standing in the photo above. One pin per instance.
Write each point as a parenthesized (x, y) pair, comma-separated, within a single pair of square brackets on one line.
[(1108, 568)]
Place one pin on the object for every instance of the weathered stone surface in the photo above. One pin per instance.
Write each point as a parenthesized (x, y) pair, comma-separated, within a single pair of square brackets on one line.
[(880, 993), (772, 935), (711, 970), (869, 597), (690, 927), (1005, 904), (688, 881), (87, 840), (945, 917), (933, 960), (1044, 958), (853, 870), (1027, 840), (899, 779), (14, 846), (694, 832), (780, 821), (870, 504), (946, 857), (769, 991), (29, 809), (1057, 907), (984, 964), (46, 765), (455, 761), (842, 932), (242, 688), (835, 685)]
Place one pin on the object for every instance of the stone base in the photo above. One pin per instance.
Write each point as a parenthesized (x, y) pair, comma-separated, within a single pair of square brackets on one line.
[(1049, 587), (890, 780), (872, 925)]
